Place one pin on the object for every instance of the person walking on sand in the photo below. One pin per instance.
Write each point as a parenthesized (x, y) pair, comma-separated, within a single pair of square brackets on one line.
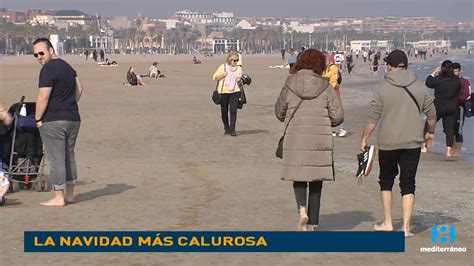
[(464, 96), (292, 58), (446, 90), (334, 77), (396, 108), (309, 106), (228, 75), (58, 120), (375, 64), (86, 53)]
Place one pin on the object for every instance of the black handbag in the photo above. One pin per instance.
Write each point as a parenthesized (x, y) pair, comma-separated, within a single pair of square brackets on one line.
[(279, 150), (216, 96), (242, 98)]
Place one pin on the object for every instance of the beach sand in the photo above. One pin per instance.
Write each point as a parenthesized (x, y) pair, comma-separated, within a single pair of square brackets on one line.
[(155, 158)]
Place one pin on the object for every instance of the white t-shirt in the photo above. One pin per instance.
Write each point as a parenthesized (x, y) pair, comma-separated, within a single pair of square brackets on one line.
[(338, 59), (153, 70)]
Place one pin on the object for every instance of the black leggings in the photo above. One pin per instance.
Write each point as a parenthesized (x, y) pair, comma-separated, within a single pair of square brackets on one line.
[(459, 124), (314, 198), (390, 160), (232, 100), (449, 114)]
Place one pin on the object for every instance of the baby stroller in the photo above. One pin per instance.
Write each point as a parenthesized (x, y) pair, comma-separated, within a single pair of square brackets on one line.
[(23, 149)]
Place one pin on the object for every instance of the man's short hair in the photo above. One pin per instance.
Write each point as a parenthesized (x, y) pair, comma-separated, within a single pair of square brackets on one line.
[(456, 66), (44, 40), (397, 58)]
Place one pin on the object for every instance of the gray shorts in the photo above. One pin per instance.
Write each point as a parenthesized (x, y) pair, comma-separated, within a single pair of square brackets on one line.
[(59, 139)]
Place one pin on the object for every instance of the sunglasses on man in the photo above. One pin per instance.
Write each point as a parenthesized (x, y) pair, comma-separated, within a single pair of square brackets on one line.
[(40, 53)]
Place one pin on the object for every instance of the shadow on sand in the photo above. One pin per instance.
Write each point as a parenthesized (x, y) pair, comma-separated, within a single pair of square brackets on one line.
[(423, 221), (344, 220), (251, 132), (111, 189)]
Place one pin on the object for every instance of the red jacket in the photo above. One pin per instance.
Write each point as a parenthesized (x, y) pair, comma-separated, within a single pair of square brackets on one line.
[(465, 91)]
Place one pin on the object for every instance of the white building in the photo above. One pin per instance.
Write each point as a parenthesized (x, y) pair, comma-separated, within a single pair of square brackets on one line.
[(42, 20), (361, 45), (470, 45), (221, 21), (304, 28), (425, 44), (245, 25), (223, 46), (171, 23)]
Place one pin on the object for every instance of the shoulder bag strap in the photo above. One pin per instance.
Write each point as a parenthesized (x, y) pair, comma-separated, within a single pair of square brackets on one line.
[(217, 84), (222, 87), (292, 115), (413, 98), (298, 106)]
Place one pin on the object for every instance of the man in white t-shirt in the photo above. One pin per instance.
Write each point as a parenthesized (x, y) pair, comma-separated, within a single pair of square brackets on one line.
[(153, 72), (339, 60)]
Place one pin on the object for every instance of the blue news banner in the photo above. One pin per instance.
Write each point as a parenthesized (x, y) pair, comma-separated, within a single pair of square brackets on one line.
[(212, 241)]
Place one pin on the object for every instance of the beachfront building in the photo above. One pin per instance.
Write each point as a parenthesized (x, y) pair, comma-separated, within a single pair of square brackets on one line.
[(42, 20), (224, 21), (13, 16), (65, 18), (172, 23), (120, 23), (299, 27), (245, 25), (425, 44), (365, 45), (470, 45), (223, 46)]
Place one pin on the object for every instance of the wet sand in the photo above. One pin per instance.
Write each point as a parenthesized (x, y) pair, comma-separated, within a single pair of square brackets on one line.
[(155, 158)]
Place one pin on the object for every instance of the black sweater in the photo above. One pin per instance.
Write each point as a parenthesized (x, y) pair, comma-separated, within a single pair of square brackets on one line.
[(446, 90)]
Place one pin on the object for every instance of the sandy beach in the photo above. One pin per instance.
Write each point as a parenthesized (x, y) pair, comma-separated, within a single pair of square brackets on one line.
[(155, 158)]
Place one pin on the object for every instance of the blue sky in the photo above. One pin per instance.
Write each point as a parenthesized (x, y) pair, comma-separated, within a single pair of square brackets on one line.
[(451, 10)]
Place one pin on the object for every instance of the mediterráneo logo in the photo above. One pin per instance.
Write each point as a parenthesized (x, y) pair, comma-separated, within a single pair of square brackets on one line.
[(444, 235)]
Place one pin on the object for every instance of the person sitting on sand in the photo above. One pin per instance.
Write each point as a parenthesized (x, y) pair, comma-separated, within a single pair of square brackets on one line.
[(108, 63), (154, 72), (132, 78), (195, 61)]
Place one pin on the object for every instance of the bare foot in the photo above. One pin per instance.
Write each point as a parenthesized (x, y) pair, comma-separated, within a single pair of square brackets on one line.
[(302, 223), (408, 234), (54, 202), (449, 152), (456, 151), (383, 227), (69, 200)]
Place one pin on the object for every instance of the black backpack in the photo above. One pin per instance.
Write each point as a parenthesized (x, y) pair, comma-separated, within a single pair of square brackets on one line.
[(339, 77)]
